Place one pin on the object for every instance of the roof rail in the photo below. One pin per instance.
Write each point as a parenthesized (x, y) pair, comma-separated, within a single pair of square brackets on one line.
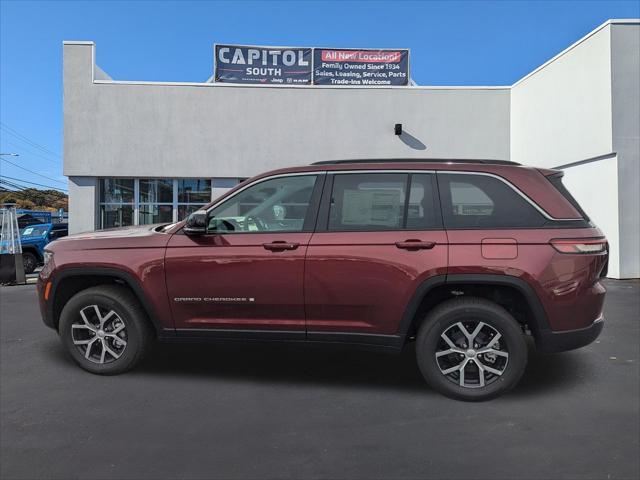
[(415, 160)]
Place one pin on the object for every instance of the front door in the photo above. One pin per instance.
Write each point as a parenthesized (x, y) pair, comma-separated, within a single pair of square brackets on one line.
[(245, 276), (379, 236)]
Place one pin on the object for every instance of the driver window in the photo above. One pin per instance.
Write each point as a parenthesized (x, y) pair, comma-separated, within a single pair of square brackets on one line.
[(276, 205)]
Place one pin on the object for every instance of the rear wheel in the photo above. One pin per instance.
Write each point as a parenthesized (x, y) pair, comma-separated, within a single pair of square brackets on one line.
[(471, 349), (29, 261), (105, 330)]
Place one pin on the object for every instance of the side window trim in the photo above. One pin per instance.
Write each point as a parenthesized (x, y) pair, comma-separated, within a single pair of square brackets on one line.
[(322, 221), (437, 205), (311, 217), (407, 200)]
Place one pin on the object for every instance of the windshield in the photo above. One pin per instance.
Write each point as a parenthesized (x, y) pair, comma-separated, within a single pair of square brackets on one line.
[(34, 231)]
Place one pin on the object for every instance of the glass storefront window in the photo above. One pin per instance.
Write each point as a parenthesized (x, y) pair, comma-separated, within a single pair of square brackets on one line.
[(156, 190), (112, 216), (116, 202), (191, 190), (185, 210), (157, 201), (155, 214), (116, 190)]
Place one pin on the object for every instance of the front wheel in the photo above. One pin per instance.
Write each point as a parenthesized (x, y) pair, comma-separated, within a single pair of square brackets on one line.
[(105, 330), (471, 349)]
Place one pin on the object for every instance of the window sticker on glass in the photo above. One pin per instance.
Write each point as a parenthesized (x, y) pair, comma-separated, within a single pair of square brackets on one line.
[(371, 207), (27, 231)]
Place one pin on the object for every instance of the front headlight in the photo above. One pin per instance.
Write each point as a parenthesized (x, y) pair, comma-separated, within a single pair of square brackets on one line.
[(47, 256)]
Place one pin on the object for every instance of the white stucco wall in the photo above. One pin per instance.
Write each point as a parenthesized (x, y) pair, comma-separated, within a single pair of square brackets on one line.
[(625, 70), (82, 204), (210, 130), (561, 112)]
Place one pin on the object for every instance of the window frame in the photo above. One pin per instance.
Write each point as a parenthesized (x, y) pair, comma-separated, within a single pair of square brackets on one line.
[(310, 217), (322, 224), (141, 204), (137, 204), (100, 191)]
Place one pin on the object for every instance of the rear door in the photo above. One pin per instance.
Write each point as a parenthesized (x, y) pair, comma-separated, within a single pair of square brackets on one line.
[(379, 235)]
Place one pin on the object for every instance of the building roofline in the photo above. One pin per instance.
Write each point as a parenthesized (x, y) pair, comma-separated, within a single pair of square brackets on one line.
[(312, 87), (632, 21)]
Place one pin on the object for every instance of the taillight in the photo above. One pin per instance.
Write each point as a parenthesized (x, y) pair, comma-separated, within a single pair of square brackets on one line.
[(580, 245)]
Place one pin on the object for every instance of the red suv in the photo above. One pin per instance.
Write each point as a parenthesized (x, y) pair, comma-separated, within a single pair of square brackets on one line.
[(462, 258)]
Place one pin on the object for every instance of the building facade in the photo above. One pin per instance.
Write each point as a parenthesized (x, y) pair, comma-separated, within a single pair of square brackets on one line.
[(147, 152)]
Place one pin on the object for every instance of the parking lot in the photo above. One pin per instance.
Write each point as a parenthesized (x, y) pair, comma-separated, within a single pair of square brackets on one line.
[(250, 411)]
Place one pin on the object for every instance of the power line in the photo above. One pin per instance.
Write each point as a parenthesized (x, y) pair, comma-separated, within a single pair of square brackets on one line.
[(30, 152), (12, 185), (4, 182), (22, 191), (31, 171), (27, 139), (33, 183)]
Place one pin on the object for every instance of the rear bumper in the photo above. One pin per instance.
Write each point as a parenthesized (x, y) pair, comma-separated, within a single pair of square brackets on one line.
[(550, 342)]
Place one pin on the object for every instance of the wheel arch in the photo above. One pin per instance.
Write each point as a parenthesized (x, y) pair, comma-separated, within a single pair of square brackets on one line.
[(34, 250), (504, 290), (68, 282)]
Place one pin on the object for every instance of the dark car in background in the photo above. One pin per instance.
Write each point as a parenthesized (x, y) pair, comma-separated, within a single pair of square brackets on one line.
[(34, 238)]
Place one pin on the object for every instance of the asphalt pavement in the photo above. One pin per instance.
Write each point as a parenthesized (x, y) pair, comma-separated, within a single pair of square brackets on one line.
[(266, 411)]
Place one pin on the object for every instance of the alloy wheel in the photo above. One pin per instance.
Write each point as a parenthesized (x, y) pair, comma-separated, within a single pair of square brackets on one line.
[(99, 334), (472, 354)]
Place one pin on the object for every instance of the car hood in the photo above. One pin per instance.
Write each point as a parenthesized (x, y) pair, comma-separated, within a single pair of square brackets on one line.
[(146, 236)]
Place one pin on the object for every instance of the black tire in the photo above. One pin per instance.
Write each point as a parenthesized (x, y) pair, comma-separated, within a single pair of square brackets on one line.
[(137, 331), (29, 261), (471, 312)]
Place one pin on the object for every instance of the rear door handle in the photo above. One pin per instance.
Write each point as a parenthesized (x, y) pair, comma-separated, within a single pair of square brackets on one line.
[(414, 244), (280, 245)]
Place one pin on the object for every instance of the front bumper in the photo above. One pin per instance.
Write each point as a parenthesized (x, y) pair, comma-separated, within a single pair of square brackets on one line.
[(45, 310), (550, 341)]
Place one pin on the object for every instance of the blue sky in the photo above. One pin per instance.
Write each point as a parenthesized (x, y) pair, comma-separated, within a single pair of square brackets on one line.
[(452, 43)]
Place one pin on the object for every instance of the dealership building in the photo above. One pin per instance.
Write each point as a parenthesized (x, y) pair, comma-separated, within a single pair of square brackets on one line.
[(145, 152)]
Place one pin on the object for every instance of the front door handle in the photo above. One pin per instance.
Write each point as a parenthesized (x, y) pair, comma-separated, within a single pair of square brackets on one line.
[(280, 245), (414, 244)]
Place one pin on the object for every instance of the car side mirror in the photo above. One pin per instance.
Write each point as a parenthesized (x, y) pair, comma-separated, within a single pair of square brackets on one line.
[(196, 223)]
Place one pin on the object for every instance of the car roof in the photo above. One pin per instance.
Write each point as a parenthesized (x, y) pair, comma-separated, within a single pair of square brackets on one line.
[(393, 161), (496, 167)]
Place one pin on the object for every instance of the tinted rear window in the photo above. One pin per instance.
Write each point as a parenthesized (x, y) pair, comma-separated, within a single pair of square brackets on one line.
[(480, 201), (556, 181)]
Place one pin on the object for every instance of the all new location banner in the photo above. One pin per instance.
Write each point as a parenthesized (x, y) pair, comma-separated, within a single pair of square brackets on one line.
[(360, 67), (306, 66), (262, 65)]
